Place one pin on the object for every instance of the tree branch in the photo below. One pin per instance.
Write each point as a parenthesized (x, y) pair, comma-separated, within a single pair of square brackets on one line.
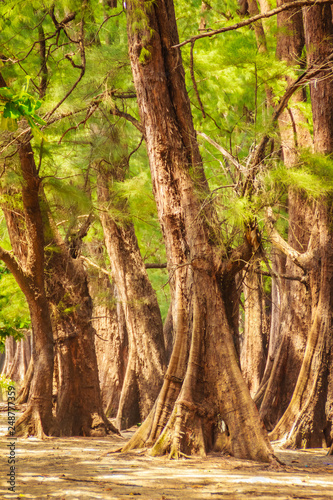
[(116, 112), (251, 20), (15, 269), (156, 266), (91, 263), (223, 151), (259, 155), (302, 260), (272, 274), (195, 83)]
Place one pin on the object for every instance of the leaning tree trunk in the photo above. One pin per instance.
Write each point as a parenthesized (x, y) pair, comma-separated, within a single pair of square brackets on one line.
[(203, 383), (308, 418), (146, 352)]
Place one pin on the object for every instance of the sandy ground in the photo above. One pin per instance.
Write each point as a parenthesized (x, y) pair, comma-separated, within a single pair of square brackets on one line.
[(84, 468)]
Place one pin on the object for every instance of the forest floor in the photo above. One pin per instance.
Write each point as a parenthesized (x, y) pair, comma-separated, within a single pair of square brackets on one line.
[(84, 468)]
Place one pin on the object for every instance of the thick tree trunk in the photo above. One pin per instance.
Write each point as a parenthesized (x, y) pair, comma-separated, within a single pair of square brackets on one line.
[(37, 418), (146, 351), (307, 421), (203, 383), (79, 405)]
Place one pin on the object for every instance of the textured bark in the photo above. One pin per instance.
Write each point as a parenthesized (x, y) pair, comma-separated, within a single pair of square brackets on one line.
[(146, 352), (20, 362), (79, 405), (23, 394), (28, 270), (37, 419), (10, 349), (168, 333), (307, 421), (253, 358), (203, 383), (111, 341)]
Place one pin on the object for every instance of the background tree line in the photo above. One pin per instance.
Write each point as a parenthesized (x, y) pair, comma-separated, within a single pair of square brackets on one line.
[(121, 152)]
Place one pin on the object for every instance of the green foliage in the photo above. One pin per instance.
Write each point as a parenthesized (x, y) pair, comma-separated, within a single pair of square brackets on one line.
[(15, 106), (6, 382), (145, 55), (313, 176), (14, 312)]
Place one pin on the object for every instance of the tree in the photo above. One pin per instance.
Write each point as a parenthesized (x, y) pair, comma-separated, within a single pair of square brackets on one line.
[(146, 353), (37, 419), (308, 419), (203, 383), (291, 324)]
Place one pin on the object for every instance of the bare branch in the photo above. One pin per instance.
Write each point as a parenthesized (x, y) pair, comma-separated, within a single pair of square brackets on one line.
[(223, 151), (195, 83), (156, 266), (82, 67), (116, 112), (302, 260), (13, 266), (302, 279), (91, 263), (90, 112)]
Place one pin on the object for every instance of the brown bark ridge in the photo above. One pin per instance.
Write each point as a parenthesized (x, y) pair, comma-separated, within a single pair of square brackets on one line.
[(146, 351), (203, 385), (252, 355), (307, 421)]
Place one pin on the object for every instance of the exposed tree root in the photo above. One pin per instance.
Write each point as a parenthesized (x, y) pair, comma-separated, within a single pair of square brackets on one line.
[(30, 424)]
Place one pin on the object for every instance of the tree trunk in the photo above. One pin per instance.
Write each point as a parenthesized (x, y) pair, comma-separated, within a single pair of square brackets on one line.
[(78, 403), (203, 383), (79, 406), (37, 419), (111, 341), (21, 360), (308, 418), (253, 357), (295, 303), (10, 349), (23, 394), (146, 351)]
